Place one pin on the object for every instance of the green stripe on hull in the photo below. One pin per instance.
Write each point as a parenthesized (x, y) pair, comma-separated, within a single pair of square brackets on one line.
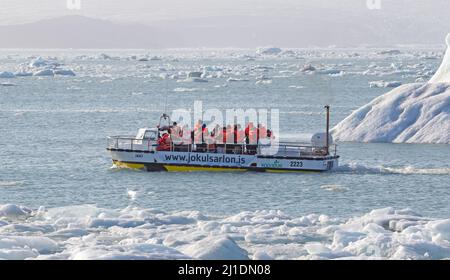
[(189, 168)]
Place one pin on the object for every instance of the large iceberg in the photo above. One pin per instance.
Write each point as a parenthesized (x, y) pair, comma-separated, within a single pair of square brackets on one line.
[(411, 113)]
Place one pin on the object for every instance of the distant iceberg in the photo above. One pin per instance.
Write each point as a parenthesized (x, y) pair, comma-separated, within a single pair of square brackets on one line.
[(411, 113), (268, 51), (7, 75)]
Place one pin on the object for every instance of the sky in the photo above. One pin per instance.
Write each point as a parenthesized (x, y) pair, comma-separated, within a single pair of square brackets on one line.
[(353, 21), (148, 11)]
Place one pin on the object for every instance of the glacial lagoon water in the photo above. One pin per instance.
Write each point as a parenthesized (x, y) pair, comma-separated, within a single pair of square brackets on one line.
[(53, 133)]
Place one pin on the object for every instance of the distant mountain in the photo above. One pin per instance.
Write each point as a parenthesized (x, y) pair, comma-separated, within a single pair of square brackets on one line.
[(331, 28), (78, 32)]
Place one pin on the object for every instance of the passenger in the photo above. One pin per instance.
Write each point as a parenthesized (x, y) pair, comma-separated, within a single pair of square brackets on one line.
[(251, 138), (250, 134), (176, 134), (224, 135), (230, 139), (204, 135), (240, 135), (240, 139), (198, 132), (262, 132), (220, 138), (164, 142), (186, 138)]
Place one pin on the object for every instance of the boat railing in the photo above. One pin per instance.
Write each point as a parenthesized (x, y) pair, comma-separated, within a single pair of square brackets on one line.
[(282, 149)]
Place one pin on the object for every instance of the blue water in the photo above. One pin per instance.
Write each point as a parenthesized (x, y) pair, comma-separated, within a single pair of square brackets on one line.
[(53, 135)]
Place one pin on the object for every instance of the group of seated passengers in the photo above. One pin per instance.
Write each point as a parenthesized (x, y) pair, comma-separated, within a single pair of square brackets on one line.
[(230, 139)]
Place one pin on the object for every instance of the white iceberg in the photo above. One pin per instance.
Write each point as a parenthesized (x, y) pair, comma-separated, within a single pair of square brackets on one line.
[(411, 113)]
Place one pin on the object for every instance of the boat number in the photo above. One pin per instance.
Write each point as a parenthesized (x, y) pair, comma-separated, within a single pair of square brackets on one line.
[(139, 155), (296, 164)]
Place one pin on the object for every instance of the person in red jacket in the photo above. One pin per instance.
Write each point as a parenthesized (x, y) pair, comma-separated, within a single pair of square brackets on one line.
[(164, 142)]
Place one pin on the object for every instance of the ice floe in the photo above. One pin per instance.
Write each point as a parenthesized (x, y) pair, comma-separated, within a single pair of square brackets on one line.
[(411, 113), (384, 84), (90, 232)]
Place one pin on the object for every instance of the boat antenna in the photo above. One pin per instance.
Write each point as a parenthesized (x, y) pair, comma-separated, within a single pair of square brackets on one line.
[(327, 108), (165, 99)]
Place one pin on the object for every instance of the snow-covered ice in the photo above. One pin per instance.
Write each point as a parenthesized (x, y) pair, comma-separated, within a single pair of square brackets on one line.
[(412, 113), (89, 232)]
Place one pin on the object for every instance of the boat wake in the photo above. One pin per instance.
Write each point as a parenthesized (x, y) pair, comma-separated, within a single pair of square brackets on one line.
[(356, 168)]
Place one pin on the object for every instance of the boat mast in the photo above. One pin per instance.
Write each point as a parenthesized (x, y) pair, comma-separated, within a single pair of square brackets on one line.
[(327, 108)]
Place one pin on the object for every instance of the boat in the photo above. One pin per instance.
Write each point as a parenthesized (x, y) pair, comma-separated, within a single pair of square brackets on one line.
[(143, 151)]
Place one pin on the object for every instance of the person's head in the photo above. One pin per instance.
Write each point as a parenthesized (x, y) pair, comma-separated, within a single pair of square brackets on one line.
[(169, 131), (204, 126), (174, 123)]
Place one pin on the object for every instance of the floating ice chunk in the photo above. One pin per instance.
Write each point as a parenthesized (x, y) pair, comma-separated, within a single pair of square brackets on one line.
[(334, 188), (132, 194), (263, 81), (181, 89), (12, 211), (296, 87), (237, 80), (45, 72), (389, 52), (384, 84), (215, 248), (155, 58), (64, 72), (194, 74), (308, 68), (268, 51), (192, 80), (330, 71), (7, 75)]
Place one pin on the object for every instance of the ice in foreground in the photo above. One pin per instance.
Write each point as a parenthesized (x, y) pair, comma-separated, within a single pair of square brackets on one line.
[(412, 113), (89, 232)]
